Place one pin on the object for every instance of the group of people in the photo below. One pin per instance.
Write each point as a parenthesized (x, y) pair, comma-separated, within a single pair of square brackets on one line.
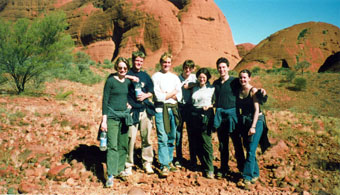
[(230, 106)]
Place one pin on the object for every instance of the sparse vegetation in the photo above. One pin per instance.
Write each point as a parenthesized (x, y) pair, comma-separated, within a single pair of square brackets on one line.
[(29, 49), (300, 83)]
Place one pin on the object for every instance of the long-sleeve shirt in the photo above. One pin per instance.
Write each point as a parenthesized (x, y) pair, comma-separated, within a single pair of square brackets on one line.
[(165, 83), (186, 93), (114, 95)]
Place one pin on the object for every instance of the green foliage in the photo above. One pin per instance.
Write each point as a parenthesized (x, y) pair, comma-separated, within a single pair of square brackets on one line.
[(290, 76), (302, 66), (78, 70), (256, 70), (300, 83), (28, 49), (302, 34), (107, 64), (63, 95)]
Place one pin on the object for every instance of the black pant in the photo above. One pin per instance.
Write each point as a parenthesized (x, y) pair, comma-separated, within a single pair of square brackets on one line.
[(223, 137)]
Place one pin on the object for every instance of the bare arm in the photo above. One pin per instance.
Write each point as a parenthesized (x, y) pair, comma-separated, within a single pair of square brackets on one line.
[(252, 129)]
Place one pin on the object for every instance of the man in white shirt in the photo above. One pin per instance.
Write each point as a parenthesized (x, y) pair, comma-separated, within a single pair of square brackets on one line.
[(167, 89)]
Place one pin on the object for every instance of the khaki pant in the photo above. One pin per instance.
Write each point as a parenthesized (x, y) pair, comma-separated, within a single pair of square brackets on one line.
[(145, 126)]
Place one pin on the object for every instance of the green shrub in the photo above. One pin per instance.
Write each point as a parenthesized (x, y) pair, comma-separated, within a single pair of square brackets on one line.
[(63, 95), (300, 83), (256, 70), (290, 76)]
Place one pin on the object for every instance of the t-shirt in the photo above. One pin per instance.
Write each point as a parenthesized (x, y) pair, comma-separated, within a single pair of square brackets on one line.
[(115, 94), (202, 96), (226, 93)]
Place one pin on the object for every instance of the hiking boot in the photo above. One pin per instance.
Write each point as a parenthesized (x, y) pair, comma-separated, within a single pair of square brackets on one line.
[(173, 168), (148, 169), (109, 181), (165, 171)]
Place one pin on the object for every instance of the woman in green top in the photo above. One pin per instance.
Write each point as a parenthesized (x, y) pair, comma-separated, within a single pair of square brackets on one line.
[(116, 118)]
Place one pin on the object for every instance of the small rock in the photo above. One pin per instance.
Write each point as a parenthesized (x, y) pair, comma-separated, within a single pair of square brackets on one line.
[(25, 188), (136, 191)]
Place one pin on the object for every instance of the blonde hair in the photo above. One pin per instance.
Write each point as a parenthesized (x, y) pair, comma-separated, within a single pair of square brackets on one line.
[(165, 56)]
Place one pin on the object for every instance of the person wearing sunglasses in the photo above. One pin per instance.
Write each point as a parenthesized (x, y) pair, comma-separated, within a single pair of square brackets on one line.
[(116, 118)]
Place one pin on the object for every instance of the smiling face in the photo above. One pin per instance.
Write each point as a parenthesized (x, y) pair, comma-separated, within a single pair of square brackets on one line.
[(166, 65), (223, 69), (122, 69), (244, 78), (138, 63), (202, 79)]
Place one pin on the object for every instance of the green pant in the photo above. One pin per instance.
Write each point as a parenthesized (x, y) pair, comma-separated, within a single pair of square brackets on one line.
[(117, 146), (201, 136)]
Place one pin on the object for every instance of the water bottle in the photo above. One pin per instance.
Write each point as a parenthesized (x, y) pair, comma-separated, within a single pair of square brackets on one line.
[(138, 89), (103, 141)]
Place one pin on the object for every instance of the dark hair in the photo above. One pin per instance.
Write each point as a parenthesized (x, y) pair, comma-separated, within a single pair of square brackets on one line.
[(121, 59), (188, 63), (245, 71), (222, 60), (204, 71), (136, 54), (164, 56)]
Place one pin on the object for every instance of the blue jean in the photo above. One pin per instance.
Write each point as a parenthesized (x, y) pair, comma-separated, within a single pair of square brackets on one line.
[(166, 141), (251, 167)]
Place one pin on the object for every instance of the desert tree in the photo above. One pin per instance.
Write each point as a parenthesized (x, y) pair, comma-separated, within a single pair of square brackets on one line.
[(28, 48)]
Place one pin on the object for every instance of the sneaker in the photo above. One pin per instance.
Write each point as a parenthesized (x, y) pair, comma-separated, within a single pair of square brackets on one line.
[(173, 168), (109, 181), (243, 183), (127, 172), (254, 179), (148, 169), (178, 164), (164, 171), (209, 175)]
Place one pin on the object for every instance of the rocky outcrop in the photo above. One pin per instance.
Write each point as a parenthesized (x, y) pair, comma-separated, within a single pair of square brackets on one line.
[(313, 42), (332, 64), (194, 30), (244, 48)]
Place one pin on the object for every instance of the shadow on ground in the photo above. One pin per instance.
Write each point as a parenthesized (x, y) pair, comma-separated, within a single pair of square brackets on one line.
[(91, 157)]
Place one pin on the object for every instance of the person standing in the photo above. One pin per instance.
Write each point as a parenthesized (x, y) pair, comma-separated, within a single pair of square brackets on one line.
[(116, 118), (184, 105), (252, 125), (202, 113), (225, 121), (142, 112), (167, 88)]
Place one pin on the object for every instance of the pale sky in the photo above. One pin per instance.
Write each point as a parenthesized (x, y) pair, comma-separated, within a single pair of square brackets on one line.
[(251, 21)]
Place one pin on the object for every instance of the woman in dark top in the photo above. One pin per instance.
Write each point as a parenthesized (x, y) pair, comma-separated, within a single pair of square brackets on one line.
[(116, 118), (251, 122)]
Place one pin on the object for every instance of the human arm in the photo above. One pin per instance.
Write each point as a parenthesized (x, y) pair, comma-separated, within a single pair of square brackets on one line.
[(252, 129), (132, 78), (104, 123)]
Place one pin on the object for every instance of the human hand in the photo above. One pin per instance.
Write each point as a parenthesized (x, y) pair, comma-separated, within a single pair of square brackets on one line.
[(252, 131), (103, 126)]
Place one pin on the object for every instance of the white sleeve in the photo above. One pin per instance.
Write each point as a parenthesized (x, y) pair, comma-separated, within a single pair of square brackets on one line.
[(159, 94)]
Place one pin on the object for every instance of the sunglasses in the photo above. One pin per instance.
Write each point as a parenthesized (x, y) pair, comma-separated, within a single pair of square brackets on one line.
[(122, 68)]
